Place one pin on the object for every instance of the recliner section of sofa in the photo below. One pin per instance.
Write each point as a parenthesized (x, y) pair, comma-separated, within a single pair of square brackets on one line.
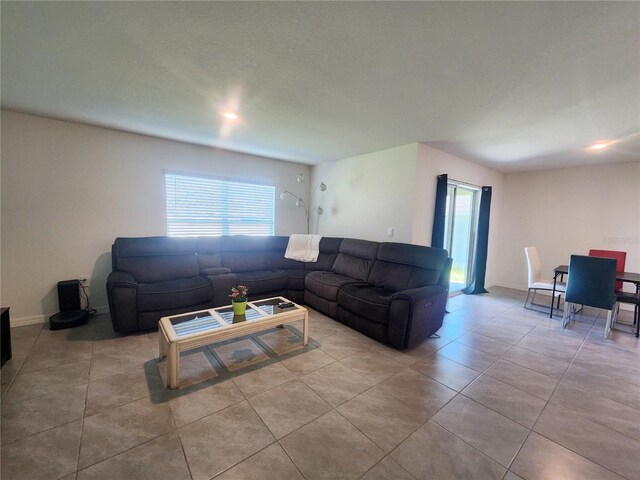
[(395, 293)]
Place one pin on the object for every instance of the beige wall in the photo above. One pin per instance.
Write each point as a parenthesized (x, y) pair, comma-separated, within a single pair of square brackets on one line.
[(368, 194), (569, 211), (431, 163), (68, 190)]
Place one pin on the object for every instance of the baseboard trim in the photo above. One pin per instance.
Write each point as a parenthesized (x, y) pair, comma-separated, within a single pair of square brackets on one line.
[(36, 319)]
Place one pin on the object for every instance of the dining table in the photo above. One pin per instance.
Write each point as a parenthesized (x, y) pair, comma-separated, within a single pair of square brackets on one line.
[(562, 270)]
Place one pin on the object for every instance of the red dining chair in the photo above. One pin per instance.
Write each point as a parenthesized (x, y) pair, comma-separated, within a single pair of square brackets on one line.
[(620, 257)]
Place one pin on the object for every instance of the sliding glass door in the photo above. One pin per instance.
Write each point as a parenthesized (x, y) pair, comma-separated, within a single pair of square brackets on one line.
[(460, 231)]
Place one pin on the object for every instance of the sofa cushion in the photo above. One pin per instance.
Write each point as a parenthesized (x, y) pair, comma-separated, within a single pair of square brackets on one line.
[(400, 266), (329, 249), (208, 249), (367, 301), (173, 294), (156, 259), (326, 284), (276, 247), (356, 258), (296, 279), (244, 253), (262, 281)]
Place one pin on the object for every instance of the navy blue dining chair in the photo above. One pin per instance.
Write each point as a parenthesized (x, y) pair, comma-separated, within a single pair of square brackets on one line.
[(591, 283)]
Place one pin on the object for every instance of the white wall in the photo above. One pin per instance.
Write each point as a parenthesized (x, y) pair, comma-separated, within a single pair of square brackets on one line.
[(569, 211), (68, 190), (368, 194), (431, 163)]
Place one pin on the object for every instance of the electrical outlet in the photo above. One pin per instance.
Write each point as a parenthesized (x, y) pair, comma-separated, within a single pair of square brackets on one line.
[(84, 280)]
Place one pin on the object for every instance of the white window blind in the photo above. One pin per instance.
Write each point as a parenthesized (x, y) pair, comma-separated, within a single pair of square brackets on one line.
[(211, 206)]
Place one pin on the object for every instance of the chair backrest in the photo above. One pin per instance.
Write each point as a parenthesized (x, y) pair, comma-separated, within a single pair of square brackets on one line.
[(533, 262), (591, 281), (621, 259)]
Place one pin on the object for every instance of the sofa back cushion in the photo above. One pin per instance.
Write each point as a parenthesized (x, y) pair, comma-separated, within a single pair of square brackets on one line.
[(156, 259), (276, 247), (356, 258), (400, 266), (243, 253), (208, 249), (329, 249)]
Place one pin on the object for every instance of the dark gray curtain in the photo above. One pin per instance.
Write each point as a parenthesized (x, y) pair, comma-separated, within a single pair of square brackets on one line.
[(482, 245), (437, 233)]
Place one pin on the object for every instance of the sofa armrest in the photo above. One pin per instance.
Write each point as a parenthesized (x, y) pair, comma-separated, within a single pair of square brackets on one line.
[(416, 314), (121, 279), (445, 276), (214, 271), (122, 293)]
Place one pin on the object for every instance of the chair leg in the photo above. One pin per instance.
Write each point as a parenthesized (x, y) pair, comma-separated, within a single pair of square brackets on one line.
[(526, 300), (607, 327), (558, 304), (565, 315)]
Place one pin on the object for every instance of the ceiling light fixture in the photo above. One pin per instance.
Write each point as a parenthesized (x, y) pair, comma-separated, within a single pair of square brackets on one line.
[(230, 116), (599, 146)]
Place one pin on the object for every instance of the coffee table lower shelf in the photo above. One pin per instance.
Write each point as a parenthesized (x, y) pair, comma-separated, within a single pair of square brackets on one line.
[(172, 343)]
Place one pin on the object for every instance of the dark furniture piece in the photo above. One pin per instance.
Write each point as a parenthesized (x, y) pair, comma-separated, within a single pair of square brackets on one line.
[(5, 335), (624, 297), (395, 293)]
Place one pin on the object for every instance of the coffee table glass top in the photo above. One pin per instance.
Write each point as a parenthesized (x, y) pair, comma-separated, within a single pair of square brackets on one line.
[(216, 318)]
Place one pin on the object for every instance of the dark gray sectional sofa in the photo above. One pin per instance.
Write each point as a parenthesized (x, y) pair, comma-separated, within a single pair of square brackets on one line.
[(393, 292)]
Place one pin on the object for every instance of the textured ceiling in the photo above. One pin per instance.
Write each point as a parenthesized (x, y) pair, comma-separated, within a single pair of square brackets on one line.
[(515, 86)]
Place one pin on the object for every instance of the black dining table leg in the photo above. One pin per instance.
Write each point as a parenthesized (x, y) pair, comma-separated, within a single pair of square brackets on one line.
[(553, 292)]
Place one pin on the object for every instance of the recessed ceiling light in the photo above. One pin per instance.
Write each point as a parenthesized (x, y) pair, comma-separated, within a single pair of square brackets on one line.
[(599, 146), (230, 115)]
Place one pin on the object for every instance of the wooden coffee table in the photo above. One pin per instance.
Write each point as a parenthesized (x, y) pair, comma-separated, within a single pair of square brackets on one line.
[(187, 331)]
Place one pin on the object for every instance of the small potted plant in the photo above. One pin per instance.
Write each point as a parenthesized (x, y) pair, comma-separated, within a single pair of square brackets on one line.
[(239, 298)]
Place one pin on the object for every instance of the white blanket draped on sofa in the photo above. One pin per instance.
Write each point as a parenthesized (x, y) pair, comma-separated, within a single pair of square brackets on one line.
[(304, 248)]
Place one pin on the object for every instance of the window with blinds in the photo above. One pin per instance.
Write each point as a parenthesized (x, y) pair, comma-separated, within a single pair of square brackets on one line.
[(212, 206)]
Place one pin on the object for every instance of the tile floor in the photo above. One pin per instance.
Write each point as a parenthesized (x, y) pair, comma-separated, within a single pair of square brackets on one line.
[(502, 393)]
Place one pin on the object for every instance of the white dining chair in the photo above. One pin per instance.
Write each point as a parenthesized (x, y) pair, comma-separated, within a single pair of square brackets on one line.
[(535, 280)]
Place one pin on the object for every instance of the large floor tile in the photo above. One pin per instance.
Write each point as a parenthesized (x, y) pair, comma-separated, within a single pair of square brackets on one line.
[(452, 374), (373, 366), (382, 417), (340, 346), (433, 453), (502, 333), (282, 341), (108, 364), (22, 419), (307, 362), (550, 366), (535, 383), (124, 388), (548, 348), (263, 379), (196, 366), (121, 344), (330, 448), (192, 404), (386, 469), (451, 331), (616, 416), (599, 444), (467, 356), (240, 354), (118, 429), (47, 455), (491, 433), (287, 407), (219, 441), (542, 459), (159, 458), (48, 380), (509, 401), (604, 385), (417, 391), (336, 383), (272, 463), (46, 355), (485, 344), (26, 331)]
